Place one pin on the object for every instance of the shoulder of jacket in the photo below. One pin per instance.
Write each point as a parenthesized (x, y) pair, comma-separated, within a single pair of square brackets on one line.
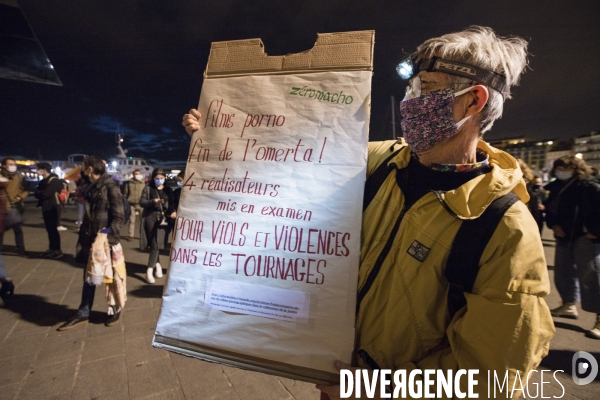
[(378, 152), (518, 218)]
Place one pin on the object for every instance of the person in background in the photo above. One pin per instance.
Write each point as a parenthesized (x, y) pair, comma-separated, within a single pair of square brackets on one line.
[(47, 194), (573, 213), (133, 192), (16, 189), (177, 194), (156, 200), (175, 206), (65, 186), (536, 201), (8, 288), (536, 198), (80, 194), (105, 204)]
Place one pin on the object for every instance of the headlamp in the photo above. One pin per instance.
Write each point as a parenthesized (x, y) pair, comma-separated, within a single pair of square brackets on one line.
[(410, 66), (405, 69)]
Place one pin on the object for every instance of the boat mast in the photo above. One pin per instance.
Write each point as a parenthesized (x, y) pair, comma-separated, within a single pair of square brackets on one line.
[(120, 151)]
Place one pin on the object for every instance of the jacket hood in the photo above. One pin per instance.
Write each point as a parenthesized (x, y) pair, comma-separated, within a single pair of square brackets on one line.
[(471, 199)]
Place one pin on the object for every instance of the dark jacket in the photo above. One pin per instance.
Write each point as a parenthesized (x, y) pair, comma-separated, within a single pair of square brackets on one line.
[(576, 209), (104, 208), (176, 198), (150, 193), (536, 198), (47, 192)]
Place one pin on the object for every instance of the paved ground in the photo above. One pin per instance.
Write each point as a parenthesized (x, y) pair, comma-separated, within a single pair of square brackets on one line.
[(96, 362)]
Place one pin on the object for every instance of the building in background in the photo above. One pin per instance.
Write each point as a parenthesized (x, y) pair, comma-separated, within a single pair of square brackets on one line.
[(588, 148), (532, 152)]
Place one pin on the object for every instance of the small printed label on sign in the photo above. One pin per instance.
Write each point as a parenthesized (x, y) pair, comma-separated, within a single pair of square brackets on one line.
[(261, 301)]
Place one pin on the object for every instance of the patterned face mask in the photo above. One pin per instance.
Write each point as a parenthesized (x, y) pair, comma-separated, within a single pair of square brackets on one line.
[(427, 119)]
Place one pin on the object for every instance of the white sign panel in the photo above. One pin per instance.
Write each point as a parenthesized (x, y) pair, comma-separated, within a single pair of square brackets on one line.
[(267, 237)]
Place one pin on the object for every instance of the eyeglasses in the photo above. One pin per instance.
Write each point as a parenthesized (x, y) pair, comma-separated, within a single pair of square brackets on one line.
[(414, 88), (410, 66)]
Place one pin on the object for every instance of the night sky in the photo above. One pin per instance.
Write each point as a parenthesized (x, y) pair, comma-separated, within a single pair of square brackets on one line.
[(139, 64)]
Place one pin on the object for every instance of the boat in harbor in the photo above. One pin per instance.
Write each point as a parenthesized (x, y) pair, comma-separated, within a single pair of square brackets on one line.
[(121, 167)]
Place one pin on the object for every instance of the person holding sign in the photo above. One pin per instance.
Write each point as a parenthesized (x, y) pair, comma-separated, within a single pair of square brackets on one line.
[(443, 284)]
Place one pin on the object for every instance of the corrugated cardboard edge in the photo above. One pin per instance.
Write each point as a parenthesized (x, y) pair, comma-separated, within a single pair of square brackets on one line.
[(349, 51), (238, 360)]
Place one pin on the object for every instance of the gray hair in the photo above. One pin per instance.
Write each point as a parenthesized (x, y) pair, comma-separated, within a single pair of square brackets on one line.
[(479, 46)]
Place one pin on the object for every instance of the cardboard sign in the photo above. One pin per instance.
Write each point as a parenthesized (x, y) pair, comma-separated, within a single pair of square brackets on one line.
[(265, 259)]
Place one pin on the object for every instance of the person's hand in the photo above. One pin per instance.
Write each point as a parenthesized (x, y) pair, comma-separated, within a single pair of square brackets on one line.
[(332, 392), (558, 231), (18, 198), (173, 215), (541, 207), (161, 201), (191, 121)]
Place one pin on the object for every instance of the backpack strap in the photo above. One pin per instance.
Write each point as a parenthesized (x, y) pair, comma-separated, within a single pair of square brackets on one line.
[(467, 248), (376, 179)]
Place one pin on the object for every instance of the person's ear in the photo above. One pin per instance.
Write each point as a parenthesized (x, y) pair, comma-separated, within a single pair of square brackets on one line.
[(478, 98)]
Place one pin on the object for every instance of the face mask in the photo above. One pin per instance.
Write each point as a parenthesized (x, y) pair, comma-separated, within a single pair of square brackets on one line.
[(159, 182), (11, 168), (138, 177), (180, 184), (563, 175), (427, 119)]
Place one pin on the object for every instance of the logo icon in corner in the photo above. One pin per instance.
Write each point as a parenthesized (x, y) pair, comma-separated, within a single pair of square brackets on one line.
[(584, 364), (418, 250)]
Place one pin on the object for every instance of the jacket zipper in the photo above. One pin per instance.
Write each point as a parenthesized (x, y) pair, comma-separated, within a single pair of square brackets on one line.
[(439, 197), (368, 360), (386, 249)]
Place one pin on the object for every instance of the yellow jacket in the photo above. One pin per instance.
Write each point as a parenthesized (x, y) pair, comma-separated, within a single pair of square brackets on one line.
[(16, 186), (403, 320)]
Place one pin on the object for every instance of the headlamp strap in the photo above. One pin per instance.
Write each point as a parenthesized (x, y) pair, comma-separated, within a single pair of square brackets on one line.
[(480, 75)]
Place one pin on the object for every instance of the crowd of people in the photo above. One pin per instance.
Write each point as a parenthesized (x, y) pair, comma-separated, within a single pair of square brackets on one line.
[(572, 211), (103, 208), (570, 206)]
